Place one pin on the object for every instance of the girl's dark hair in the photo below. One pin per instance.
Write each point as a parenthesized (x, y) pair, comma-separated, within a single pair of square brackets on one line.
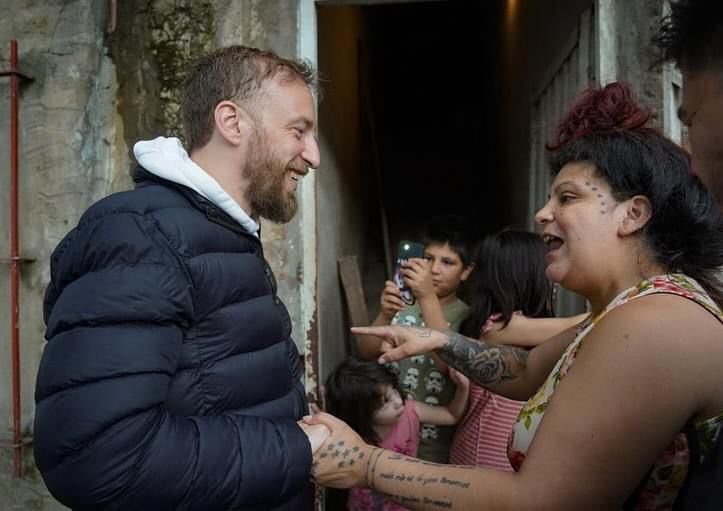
[(509, 276), (609, 129), (353, 393)]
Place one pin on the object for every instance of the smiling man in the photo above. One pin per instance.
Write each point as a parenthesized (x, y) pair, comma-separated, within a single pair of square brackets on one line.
[(692, 37), (170, 380)]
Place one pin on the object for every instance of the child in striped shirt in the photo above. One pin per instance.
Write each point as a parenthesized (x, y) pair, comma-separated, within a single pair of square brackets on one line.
[(511, 303)]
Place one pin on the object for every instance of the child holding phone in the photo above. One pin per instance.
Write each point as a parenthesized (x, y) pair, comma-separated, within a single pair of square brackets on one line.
[(367, 396), (434, 281)]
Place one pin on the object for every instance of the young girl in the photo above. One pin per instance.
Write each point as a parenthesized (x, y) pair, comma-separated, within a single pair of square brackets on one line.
[(511, 303), (367, 396)]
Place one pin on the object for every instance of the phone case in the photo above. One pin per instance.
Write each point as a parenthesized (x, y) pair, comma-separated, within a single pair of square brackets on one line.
[(407, 250)]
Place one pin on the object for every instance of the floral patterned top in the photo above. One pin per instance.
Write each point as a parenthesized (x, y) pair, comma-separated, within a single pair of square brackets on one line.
[(662, 485)]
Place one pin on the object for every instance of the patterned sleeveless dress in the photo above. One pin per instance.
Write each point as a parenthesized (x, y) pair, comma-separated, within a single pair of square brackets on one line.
[(665, 479)]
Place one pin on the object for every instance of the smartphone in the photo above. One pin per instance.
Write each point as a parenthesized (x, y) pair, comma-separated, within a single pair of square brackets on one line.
[(407, 250)]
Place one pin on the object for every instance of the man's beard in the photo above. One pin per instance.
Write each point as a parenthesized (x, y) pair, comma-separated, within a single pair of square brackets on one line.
[(265, 175)]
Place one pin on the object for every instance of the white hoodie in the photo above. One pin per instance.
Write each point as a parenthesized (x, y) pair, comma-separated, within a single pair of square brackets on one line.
[(166, 158)]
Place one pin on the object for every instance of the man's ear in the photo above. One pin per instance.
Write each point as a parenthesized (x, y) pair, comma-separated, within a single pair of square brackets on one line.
[(232, 122), (637, 213)]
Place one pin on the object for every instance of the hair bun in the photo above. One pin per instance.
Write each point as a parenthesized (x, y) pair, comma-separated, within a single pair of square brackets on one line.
[(599, 111)]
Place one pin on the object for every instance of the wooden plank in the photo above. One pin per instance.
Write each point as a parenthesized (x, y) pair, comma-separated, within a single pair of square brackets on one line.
[(353, 290)]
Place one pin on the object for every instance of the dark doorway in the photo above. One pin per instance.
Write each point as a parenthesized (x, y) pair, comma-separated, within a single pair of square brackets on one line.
[(430, 70)]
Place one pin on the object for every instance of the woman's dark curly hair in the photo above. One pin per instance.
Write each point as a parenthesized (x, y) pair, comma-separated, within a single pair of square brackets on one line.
[(353, 392), (609, 129)]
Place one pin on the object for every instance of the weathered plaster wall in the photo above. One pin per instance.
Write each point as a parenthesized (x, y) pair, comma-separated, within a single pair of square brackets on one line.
[(71, 153), (636, 23)]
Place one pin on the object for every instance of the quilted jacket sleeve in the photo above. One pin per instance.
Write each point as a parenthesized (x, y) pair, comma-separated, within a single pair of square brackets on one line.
[(116, 308)]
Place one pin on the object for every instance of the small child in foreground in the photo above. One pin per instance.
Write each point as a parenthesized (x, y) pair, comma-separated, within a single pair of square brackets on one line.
[(367, 396)]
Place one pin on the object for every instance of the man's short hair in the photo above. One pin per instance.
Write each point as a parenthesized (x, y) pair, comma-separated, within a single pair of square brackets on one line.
[(235, 73), (692, 35)]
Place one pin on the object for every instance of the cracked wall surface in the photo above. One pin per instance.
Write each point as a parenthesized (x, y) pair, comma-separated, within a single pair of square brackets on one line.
[(71, 154)]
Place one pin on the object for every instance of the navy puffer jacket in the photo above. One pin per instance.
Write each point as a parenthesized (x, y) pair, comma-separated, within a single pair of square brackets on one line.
[(169, 380)]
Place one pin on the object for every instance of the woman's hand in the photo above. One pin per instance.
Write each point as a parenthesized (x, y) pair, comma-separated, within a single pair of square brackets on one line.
[(343, 459), (403, 341)]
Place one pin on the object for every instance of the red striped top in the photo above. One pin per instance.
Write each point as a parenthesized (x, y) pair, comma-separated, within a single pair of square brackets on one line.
[(481, 437)]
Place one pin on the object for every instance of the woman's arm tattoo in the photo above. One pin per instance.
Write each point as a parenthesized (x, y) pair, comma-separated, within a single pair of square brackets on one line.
[(484, 363)]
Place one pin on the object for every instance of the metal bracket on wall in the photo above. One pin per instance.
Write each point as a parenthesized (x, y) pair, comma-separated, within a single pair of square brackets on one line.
[(18, 440)]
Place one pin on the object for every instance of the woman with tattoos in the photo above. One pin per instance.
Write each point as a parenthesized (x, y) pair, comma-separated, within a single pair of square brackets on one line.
[(621, 409), (369, 398)]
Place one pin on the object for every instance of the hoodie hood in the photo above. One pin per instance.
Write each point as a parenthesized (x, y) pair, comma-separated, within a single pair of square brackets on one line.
[(166, 158)]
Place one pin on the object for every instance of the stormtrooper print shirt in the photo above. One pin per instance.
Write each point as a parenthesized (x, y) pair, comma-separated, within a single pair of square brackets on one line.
[(421, 380)]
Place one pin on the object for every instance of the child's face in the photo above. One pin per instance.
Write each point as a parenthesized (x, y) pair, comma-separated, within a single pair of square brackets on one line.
[(448, 271), (391, 408)]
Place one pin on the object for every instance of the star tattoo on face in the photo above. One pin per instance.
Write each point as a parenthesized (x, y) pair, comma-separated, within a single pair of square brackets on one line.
[(596, 189)]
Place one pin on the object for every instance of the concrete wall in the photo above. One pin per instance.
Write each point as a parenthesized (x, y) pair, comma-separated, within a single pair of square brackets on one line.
[(71, 153), (636, 56), (95, 93)]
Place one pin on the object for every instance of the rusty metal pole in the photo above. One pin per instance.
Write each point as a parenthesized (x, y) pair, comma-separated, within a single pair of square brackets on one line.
[(15, 76), (14, 273)]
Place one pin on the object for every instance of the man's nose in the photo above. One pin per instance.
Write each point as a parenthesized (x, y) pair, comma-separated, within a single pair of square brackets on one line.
[(312, 154)]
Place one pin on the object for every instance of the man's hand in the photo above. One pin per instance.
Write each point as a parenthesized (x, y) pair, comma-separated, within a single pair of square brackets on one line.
[(418, 277), (402, 341), (343, 460), (317, 434), (391, 301)]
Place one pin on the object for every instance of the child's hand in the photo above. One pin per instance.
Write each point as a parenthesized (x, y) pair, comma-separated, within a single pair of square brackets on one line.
[(458, 378), (418, 277), (493, 323), (391, 300)]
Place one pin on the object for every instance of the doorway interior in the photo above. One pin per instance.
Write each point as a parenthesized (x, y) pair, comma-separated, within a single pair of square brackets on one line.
[(409, 120)]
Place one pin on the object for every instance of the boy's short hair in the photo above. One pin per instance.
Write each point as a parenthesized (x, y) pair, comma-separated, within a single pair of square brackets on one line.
[(453, 230)]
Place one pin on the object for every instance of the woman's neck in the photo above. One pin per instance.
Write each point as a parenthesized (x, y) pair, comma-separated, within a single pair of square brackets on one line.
[(605, 294)]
